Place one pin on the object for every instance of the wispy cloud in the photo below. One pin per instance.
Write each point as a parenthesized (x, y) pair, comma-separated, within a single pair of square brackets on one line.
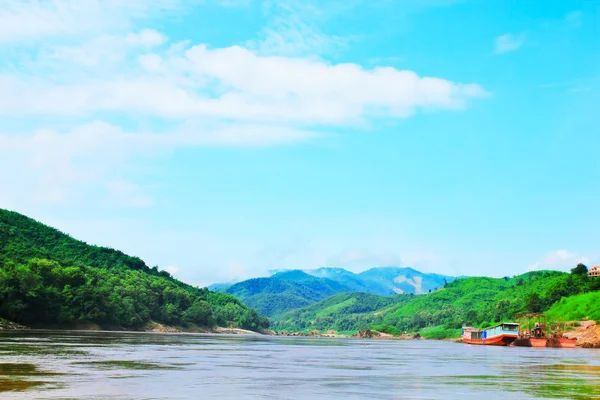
[(574, 19), (509, 42), (562, 260), (97, 68), (251, 87), (24, 20), (59, 166), (577, 85), (294, 29)]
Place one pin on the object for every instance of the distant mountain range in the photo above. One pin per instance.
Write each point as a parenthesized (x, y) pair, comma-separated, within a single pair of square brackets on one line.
[(287, 290)]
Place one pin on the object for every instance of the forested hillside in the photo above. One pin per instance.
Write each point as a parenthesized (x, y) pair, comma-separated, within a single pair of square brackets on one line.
[(284, 291), (288, 290), (474, 301), (345, 312), (47, 277)]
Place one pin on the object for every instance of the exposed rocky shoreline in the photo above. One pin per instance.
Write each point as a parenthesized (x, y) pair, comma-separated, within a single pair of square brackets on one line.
[(362, 334), (587, 335), (7, 325), (149, 327)]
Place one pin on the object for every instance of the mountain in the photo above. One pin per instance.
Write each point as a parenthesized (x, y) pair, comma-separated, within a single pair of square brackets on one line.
[(476, 301), (385, 281), (404, 280), (344, 312), (284, 291), (350, 280), (48, 278), (220, 287)]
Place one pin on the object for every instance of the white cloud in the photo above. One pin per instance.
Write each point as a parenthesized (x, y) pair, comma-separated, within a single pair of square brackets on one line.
[(95, 66), (57, 165), (364, 259), (105, 50), (561, 260), (509, 42), (294, 30), (32, 19), (235, 83)]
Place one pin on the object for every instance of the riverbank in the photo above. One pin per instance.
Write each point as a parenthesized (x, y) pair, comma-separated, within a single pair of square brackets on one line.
[(8, 325), (587, 335), (149, 327)]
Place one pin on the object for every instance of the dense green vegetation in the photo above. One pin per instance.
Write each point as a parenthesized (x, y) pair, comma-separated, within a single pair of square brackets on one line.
[(47, 277), (384, 281), (404, 280), (439, 332), (576, 308), (343, 312), (475, 301), (292, 289)]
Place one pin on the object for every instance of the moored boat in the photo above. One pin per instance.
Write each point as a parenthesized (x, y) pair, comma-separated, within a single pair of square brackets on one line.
[(538, 336), (498, 335), (568, 343), (526, 341)]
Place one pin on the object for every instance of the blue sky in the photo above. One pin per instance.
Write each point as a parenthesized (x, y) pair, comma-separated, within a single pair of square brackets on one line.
[(221, 139)]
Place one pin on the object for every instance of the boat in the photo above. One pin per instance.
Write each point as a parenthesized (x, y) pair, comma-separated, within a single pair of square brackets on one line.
[(567, 343), (498, 335), (532, 331), (559, 341), (538, 336)]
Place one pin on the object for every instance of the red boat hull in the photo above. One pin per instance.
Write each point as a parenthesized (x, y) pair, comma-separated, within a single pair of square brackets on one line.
[(543, 342), (568, 343), (500, 340)]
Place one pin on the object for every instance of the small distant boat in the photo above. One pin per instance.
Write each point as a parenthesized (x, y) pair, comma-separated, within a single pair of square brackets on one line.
[(499, 335)]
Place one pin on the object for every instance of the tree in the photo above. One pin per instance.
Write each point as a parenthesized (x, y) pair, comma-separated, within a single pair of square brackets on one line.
[(199, 313), (502, 309), (534, 303), (580, 269)]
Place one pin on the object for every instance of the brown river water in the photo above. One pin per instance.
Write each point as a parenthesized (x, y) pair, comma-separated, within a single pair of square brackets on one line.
[(108, 365)]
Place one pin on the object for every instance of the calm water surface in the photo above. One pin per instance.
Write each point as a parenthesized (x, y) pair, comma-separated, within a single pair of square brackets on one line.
[(108, 365)]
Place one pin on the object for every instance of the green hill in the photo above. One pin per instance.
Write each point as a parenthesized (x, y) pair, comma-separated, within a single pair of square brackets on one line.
[(287, 290), (476, 301), (284, 291), (49, 278), (352, 281), (343, 312), (403, 280), (576, 308)]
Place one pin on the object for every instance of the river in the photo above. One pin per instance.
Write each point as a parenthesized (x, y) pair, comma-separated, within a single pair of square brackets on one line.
[(108, 365)]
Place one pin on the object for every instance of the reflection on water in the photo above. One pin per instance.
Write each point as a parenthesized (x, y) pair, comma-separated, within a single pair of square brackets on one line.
[(107, 365)]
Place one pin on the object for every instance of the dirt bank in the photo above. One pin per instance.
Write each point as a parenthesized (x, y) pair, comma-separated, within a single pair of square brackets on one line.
[(7, 325), (369, 334), (587, 335), (149, 327), (310, 334)]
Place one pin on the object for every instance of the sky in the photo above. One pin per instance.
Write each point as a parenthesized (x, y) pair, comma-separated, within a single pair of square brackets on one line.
[(220, 139)]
